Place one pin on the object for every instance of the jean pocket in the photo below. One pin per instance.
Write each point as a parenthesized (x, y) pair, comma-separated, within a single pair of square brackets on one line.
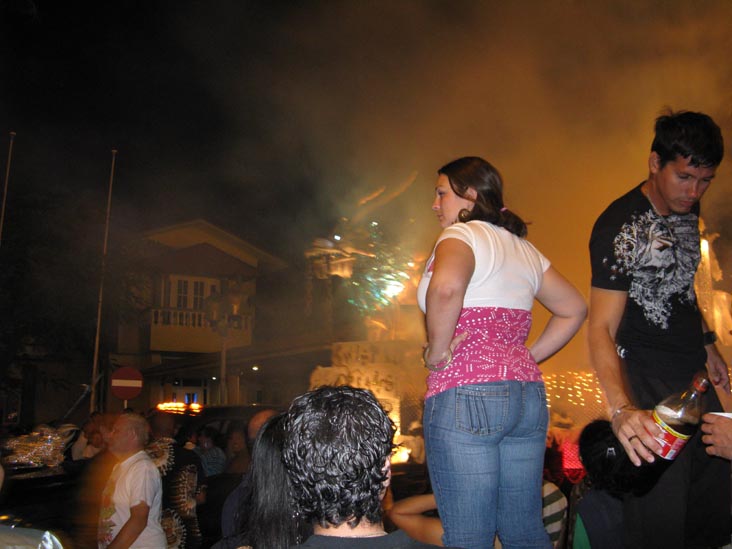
[(543, 410), (481, 409)]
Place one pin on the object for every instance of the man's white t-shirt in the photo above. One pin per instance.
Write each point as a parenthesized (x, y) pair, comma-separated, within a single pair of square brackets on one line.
[(133, 481)]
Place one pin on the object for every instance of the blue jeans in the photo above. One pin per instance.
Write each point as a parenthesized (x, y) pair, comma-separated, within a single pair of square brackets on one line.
[(485, 450)]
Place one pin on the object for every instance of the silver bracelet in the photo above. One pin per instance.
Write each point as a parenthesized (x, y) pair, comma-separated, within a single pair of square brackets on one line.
[(619, 410), (437, 366)]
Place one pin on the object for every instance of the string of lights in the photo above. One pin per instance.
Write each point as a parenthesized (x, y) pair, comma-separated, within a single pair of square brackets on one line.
[(575, 393)]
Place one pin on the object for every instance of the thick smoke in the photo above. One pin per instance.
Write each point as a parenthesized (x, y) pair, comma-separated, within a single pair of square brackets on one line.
[(274, 119), (560, 96)]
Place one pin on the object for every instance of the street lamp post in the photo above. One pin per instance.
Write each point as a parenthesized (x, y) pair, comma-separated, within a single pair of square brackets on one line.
[(5, 188), (223, 312)]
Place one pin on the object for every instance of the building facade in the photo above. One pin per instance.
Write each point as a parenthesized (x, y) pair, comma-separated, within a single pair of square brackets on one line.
[(196, 295)]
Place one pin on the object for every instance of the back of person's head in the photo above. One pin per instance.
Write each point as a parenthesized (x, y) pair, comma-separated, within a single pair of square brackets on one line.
[(139, 426), (603, 457), (472, 172), (691, 135), (186, 433), (337, 447), (256, 422), (207, 431), (271, 521), (163, 425)]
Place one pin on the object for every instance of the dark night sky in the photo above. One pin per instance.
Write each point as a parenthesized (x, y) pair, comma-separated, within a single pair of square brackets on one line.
[(272, 118), (266, 117), (140, 76)]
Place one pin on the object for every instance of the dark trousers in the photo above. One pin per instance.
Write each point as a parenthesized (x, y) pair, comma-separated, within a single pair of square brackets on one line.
[(689, 504)]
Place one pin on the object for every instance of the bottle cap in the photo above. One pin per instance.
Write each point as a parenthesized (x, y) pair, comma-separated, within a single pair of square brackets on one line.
[(701, 382)]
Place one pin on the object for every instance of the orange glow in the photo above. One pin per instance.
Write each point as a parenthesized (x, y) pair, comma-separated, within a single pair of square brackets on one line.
[(400, 455), (180, 407)]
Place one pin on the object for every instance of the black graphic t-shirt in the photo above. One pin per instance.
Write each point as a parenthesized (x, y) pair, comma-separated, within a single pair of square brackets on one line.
[(654, 259)]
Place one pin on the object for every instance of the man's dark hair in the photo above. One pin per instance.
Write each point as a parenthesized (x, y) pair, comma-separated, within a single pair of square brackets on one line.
[(337, 443), (691, 135), (608, 466)]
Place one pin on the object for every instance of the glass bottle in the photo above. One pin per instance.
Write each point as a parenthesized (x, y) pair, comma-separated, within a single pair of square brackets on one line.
[(678, 416)]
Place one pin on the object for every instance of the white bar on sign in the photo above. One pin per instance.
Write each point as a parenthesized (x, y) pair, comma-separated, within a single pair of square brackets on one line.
[(126, 383)]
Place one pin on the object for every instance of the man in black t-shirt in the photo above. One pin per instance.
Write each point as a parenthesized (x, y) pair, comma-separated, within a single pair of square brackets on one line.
[(647, 336)]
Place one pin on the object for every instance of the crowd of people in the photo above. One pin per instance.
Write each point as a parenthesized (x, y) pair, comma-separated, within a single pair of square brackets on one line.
[(148, 480), (286, 498), (318, 475)]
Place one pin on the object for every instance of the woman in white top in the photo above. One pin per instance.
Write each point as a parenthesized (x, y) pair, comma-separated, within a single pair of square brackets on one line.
[(485, 417)]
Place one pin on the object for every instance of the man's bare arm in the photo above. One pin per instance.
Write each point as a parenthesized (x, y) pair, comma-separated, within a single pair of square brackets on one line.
[(633, 427)]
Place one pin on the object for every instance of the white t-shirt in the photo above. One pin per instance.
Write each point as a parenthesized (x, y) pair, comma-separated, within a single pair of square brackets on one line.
[(508, 269), (133, 481)]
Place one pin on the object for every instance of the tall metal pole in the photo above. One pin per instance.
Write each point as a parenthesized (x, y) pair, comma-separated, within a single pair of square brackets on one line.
[(5, 190), (95, 364), (223, 395)]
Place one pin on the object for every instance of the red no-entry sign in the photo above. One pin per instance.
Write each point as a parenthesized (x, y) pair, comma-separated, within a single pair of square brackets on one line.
[(126, 383)]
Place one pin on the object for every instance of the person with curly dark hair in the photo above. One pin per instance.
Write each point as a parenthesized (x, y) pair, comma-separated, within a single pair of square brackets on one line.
[(337, 452)]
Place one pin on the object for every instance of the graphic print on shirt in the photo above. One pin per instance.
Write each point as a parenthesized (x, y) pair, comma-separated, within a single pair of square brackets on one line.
[(661, 255), (179, 521)]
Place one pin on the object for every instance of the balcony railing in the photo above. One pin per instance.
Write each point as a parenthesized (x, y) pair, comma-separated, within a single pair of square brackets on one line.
[(179, 317), (192, 318)]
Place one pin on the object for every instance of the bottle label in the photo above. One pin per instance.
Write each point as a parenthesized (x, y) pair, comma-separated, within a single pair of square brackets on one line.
[(671, 440)]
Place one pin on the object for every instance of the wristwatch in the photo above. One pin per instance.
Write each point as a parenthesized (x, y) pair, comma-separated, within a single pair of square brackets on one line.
[(709, 338)]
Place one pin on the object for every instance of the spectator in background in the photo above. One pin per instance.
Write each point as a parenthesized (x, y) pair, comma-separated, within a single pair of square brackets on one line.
[(237, 452), (80, 444), (213, 458), (232, 518), (553, 466), (554, 512), (268, 517), (255, 425), (598, 510), (131, 501), (413, 441), (187, 437), (409, 514), (183, 483), (96, 445), (93, 476)]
